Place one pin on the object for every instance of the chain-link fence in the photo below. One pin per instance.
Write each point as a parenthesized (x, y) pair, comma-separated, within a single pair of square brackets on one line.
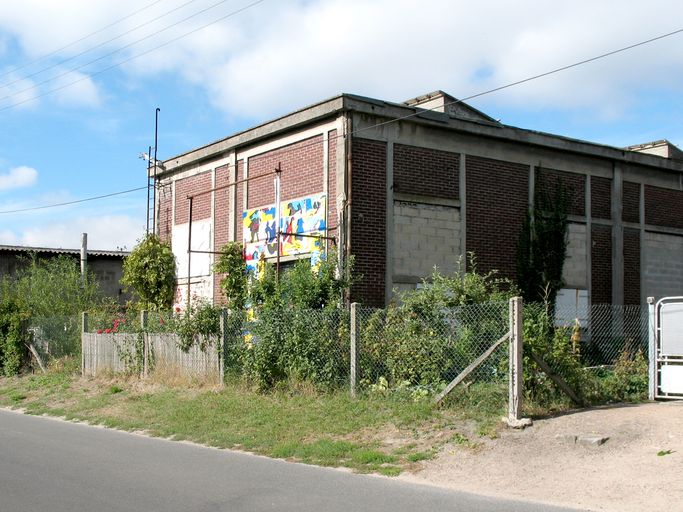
[(602, 333), (401, 347), (55, 336), (280, 344)]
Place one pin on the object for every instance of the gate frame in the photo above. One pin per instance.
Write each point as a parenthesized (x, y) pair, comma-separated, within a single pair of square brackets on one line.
[(656, 360)]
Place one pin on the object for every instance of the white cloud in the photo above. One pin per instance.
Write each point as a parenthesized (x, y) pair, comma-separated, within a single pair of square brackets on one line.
[(19, 177), (76, 89), (282, 55), (107, 232)]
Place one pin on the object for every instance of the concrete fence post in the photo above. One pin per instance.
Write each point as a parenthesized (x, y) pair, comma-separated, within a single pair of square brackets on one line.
[(652, 349), (516, 369), (222, 345), (353, 375), (84, 330), (144, 316)]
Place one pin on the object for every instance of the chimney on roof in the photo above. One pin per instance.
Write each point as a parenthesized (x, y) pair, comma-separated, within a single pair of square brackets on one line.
[(662, 148)]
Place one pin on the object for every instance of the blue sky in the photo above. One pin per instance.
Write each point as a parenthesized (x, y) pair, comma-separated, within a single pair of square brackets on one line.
[(72, 129)]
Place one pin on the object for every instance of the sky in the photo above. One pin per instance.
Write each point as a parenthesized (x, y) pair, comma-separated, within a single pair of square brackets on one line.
[(80, 82)]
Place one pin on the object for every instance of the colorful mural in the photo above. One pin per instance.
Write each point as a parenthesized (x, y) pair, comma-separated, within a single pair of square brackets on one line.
[(300, 220)]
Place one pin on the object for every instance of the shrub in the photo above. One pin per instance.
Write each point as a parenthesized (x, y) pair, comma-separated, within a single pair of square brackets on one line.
[(150, 272), (431, 334), (629, 380)]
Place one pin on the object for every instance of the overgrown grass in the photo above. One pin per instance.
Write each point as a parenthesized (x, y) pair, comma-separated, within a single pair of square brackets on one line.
[(383, 434)]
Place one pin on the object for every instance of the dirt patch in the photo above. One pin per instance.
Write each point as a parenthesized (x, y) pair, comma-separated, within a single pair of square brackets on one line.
[(639, 468)]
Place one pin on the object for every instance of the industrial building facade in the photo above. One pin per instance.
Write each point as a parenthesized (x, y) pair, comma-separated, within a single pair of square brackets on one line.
[(405, 187)]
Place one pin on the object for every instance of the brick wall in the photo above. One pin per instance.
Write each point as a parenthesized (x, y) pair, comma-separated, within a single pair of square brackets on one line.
[(663, 207), (201, 206), (547, 181), (601, 198), (302, 172), (497, 202), (631, 202), (427, 172), (631, 266), (601, 263), (165, 213), (239, 199), (332, 181), (368, 220)]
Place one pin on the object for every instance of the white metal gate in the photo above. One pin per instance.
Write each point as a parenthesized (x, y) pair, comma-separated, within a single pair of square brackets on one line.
[(666, 349)]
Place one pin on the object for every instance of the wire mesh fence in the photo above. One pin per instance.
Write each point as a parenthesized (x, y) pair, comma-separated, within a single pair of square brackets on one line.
[(602, 333), (56, 336), (399, 348), (431, 348)]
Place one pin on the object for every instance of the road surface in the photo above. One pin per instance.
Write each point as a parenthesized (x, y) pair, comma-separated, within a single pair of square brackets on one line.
[(57, 466)]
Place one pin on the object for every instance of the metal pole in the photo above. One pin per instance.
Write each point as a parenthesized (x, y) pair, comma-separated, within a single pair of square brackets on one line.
[(149, 165), (154, 190), (189, 253), (277, 218)]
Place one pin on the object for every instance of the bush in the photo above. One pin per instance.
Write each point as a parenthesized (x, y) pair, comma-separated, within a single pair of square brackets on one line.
[(629, 380), (298, 331), (430, 335), (149, 271)]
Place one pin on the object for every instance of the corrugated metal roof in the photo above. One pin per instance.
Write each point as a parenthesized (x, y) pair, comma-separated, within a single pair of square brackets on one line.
[(54, 250)]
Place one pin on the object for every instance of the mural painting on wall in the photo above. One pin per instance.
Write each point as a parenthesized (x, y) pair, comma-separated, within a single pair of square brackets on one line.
[(305, 216)]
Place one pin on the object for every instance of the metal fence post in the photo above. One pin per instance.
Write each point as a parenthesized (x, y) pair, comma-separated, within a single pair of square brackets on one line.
[(145, 342), (354, 348), (516, 383), (84, 330), (651, 351), (223, 345)]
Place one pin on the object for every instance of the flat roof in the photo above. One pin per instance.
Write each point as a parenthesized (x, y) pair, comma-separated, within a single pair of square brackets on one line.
[(56, 250)]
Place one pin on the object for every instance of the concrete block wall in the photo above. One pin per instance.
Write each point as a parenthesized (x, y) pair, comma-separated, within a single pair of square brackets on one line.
[(425, 236), (663, 272), (575, 272)]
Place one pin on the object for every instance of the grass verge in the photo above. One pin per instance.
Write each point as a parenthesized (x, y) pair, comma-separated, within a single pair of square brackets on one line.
[(372, 434)]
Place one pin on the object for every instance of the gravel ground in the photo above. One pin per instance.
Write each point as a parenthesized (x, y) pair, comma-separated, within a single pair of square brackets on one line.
[(540, 463)]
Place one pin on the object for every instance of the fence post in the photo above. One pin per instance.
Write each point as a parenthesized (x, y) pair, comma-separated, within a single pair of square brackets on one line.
[(516, 383), (222, 345), (84, 330), (354, 348), (651, 350), (145, 342)]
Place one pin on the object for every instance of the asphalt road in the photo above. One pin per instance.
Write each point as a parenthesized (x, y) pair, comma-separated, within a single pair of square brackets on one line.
[(51, 465)]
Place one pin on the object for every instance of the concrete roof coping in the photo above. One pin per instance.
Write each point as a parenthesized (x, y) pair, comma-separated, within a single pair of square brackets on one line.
[(479, 124)]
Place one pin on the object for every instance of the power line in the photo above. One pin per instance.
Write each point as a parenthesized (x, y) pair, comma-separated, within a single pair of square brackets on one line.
[(99, 45), (72, 43), (118, 50), (284, 150), (73, 202)]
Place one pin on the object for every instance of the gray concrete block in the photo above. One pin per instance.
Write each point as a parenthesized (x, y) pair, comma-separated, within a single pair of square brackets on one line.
[(566, 438), (592, 440)]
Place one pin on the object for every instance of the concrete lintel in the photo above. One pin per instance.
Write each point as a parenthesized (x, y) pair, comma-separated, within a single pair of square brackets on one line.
[(435, 201)]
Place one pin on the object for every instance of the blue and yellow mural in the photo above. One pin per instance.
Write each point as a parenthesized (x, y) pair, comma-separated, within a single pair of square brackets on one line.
[(305, 216)]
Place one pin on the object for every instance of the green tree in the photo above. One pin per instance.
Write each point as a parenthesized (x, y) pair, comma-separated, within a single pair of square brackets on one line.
[(150, 271), (542, 246), (234, 282)]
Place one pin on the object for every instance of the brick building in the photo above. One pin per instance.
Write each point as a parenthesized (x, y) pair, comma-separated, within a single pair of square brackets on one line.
[(407, 186)]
